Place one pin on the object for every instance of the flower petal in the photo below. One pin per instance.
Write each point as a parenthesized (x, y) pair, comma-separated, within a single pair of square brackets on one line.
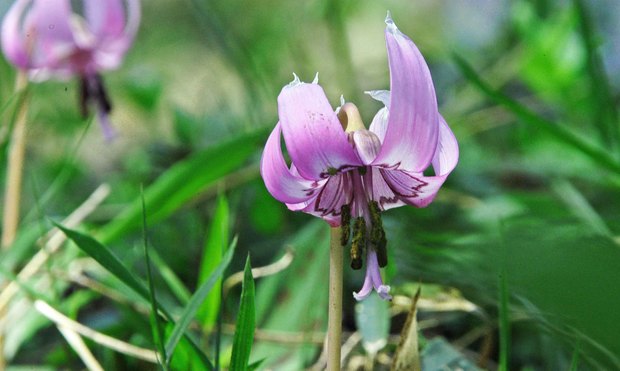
[(106, 19), (313, 135), (412, 130), (367, 145), (284, 185), (417, 189), (327, 205), (13, 41), (114, 42), (373, 279), (378, 190)]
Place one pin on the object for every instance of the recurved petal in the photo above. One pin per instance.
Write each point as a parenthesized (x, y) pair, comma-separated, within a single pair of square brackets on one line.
[(51, 38), (314, 137), (13, 43), (412, 130), (327, 205), (105, 18), (284, 185), (379, 123), (417, 189), (378, 190)]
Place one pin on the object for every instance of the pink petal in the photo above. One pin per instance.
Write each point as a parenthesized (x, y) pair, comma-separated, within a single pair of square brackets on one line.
[(106, 19), (13, 41), (417, 189), (367, 145), (327, 205), (283, 185), (412, 130), (114, 41), (378, 190), (313, 135)]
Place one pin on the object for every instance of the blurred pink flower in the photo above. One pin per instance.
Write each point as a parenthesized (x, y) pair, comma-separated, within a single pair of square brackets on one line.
[(50, 39), (341, 170)]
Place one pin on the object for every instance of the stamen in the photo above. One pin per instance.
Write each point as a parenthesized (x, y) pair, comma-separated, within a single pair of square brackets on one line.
[(377, 234), (358, 243), (345, 224)]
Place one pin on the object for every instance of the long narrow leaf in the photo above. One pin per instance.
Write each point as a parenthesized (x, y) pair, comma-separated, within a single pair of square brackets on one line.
[(246, 322), (559, 131), (194, 303), (184, 181), (156, 325), (214, 247), (606, 116), (110, 262)]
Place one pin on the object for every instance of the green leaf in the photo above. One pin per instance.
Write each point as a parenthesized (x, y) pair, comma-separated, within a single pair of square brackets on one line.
[(504, 322), (606, 115), (255, 365), (156, 325), (110, 262), (215, 244), (184, 181), (246, 322), (196, 300), (595, 152), (175, 284)]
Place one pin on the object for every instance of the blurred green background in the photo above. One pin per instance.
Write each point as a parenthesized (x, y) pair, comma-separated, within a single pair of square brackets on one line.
[(530, 214)]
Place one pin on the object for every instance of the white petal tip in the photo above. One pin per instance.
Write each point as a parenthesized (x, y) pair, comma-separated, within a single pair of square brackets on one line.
[(384, 292), (342, 101), (360, 297), (295, 81), (390, 22), (316, 79)]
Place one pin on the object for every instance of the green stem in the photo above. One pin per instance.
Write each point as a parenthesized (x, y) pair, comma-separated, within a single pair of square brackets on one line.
[(12, 191), (334, 324), (15, 166)]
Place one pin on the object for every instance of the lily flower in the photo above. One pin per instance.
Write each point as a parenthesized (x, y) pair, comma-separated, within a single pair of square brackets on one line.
[(50, 39), (345, 173)]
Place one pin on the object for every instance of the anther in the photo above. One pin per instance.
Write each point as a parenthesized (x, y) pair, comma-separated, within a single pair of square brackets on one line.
[(377, 234), (358, 243), (345, 224)]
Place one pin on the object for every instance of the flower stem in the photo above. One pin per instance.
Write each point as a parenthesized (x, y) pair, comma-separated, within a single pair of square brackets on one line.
[(334, 324), (12, 192)]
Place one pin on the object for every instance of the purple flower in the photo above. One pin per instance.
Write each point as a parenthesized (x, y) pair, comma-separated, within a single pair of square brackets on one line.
[(49, 39), (345, 173)]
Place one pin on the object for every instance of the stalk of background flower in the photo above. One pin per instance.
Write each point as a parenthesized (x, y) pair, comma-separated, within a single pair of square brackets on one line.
[(12, 190), (15, 165), (334, 319)]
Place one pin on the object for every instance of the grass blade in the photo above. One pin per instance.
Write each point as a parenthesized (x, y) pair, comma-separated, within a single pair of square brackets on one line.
[(196, 300), (177, 287), (246, 322), (504, 323), (559, 131), (156, 325), (109, 261), (215, 245), (606, 117), (183, 181)]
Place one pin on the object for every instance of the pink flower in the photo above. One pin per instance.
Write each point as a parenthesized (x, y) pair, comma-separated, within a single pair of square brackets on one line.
[(49, 39), (342, 171)]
